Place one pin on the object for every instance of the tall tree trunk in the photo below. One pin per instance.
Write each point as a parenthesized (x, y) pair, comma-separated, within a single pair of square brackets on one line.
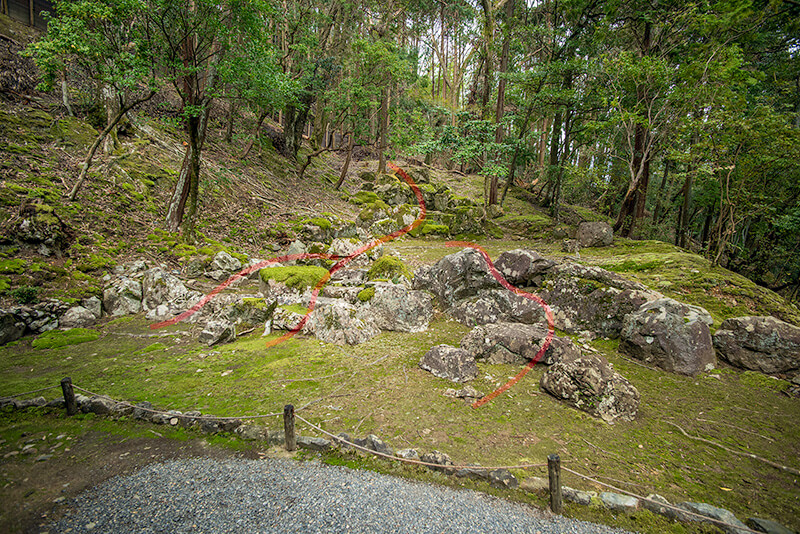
[(633, 204), (65, 93), (383, 119), (683, 228), (661, 193), (346, 166), (112, 108), (552, 167)]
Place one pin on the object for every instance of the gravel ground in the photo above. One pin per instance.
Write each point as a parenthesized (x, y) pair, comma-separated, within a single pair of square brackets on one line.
[(275, 495)]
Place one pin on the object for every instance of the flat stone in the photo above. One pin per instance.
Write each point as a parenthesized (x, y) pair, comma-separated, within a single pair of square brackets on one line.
[(767, 526), (733, 525), (577, 496), (535, 485), (502, 478), (313, 444), (619, 503)]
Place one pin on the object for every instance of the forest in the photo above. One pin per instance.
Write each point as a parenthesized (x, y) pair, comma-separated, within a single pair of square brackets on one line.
[(678, 119)]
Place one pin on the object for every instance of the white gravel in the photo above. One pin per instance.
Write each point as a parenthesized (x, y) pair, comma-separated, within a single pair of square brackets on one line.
[(252, 496)]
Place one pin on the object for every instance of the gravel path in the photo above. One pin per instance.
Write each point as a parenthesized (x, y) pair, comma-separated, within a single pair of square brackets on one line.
[(251, 496)]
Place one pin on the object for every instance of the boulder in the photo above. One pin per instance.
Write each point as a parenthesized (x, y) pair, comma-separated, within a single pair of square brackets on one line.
[(439, 459), (393, 307), (594, 234), (523, 268), (225, 262), (162, 288), (350, 277), (764, 344), (374, 443), (77, 317), (448, 362), (590, 383), (734, 526), (502, 478), (217, 331), (767, 526), (592, 299), (131, 269), (12, 327), (98, 405), (313, 444), (618, 502), (494, 305), (248, 312), (334, 321), (515, 343), (455, 277), (123, 297), (94, 305), (669, 335)]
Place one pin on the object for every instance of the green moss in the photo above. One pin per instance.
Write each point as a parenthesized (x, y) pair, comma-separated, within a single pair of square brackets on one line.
[(297, 277), (95, 262), (72, 131), (15, 266), (633, 266), (241, 257), (388, 267), (371, 209), (61, 338), (131, 190), (761, 381), (365, 295), (294, 308), (323, 223), (364, 197), (257, 303), (5, 283), (154, 347)]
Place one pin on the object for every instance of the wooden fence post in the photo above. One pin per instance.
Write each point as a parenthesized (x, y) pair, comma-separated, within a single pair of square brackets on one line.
[(69, 396), (554, 475), (288, 427)]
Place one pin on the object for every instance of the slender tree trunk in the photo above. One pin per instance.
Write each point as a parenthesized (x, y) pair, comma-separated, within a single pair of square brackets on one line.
[(232, 109), (683, 228), (552, 168), (112, 110), (383, 119), (661, 193), (256, 135), (65, 93), (346, 166), (87, 162)]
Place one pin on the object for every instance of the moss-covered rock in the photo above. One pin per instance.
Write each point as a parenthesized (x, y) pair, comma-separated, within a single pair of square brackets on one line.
[(365, 295), (298, 277), (74, 132), (388, 268)]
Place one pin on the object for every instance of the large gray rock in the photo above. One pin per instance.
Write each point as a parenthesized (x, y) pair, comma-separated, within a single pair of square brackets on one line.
[(218, 331), (592, 299), (456, 277), (338, 322), (523, 267), (669, 335), (591, 384), (77, 317), (515, 343), (162, 288), (123, 297), (494, 305), (594, 234), (250, 311), (12, 327), (225, 262), (733, 525), (619, 502), (394, 307), (764, 344), (451, 363)]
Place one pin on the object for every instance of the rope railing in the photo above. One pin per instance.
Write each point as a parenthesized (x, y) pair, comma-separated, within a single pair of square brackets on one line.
[(29, 392), (411, 460), (679, 512), (163, 412)]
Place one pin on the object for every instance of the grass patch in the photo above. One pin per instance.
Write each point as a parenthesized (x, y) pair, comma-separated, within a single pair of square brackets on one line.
[(61, 338)]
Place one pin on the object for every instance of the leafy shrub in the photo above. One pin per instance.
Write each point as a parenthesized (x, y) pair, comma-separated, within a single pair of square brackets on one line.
[(25, 294)]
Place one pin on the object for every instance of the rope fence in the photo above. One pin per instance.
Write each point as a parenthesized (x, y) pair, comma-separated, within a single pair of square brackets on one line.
[(553, 465)]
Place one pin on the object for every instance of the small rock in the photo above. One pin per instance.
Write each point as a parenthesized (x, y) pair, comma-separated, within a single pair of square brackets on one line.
[(734, 526), (439, 458), (408, 454), (577, 496), (502, 478), (767, 526), (451, 363), (313, 444), (43, 457), (535, 485), (619, 503)]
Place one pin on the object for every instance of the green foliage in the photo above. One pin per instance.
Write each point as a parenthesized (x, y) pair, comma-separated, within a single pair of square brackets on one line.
[(387, 268), (24, 294), (53, 339), (95, 262), (298, 277)]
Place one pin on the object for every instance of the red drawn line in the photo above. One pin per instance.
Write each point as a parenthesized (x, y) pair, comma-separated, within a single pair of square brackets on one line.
[(547, 312), (324, 280)]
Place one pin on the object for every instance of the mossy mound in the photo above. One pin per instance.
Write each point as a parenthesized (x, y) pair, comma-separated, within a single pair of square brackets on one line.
[(61, 338), (297, 277), (388, 268), (365, 295), (364, 197)]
